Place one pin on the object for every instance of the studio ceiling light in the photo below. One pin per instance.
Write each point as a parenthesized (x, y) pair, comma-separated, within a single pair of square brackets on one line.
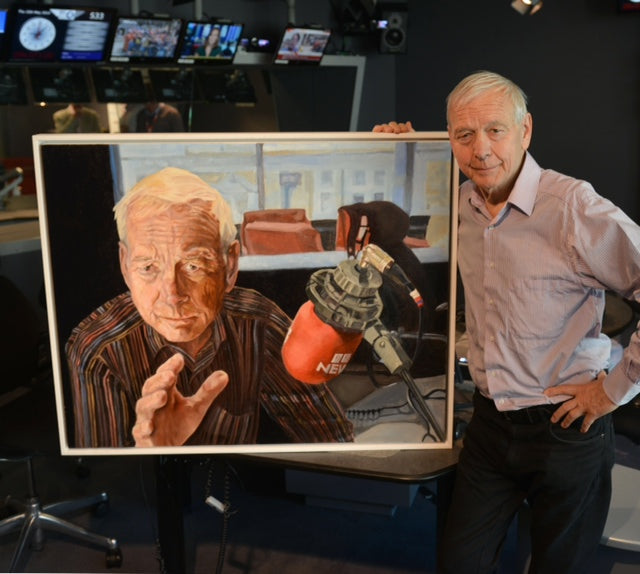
[(526, 6)]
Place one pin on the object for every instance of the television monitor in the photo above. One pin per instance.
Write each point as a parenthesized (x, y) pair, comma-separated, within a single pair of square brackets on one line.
[(209, 42), (173, 85), (3, 32), (12, 88), (59, 34), (629, 6), (119, 85), (59, 84), (153, 39), (302, 45), (225, 86)]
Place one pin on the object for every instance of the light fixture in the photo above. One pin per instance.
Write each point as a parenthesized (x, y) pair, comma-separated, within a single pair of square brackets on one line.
[(526, 6)]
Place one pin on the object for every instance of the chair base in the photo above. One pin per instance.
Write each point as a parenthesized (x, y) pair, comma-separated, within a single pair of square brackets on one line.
[(33, 519)]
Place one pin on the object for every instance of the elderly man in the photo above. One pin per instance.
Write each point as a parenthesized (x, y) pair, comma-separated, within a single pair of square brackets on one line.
[(185, 357), (537, 249)]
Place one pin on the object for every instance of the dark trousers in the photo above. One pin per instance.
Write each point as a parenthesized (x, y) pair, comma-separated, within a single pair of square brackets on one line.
[(563, 474)]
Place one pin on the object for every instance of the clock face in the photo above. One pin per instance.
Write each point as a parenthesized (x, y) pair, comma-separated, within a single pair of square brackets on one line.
[(37, 33)]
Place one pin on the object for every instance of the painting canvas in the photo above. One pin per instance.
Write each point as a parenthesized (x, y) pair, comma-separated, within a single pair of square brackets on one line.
[(312, 309)]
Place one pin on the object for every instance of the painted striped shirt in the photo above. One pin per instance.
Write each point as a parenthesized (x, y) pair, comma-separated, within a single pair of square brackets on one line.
[(113, 351)]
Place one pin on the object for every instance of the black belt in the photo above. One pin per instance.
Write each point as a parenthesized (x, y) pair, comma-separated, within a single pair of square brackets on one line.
[(524, 416)]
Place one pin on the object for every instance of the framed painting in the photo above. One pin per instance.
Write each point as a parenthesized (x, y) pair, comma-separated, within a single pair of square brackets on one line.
[(255, 292)]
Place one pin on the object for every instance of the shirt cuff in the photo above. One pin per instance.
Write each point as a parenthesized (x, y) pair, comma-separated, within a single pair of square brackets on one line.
[(619, 388)]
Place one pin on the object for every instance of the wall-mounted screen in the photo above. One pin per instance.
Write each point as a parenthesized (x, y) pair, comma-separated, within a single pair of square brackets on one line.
[(59, 34), (59, 84), (226, 86), (120, 85), (3, 32), (174, 85), (12, 88), (209, 42), (629, 5), (302, 45), (300, 221), (145, 39)]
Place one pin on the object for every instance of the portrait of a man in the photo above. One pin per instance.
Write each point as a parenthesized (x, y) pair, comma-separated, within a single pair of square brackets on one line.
[(184, 356)]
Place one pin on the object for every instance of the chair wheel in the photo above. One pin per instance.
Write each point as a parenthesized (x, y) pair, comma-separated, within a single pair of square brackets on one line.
[(114, 558)]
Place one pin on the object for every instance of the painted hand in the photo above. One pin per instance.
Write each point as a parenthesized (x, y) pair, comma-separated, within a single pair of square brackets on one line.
[(164, 417)]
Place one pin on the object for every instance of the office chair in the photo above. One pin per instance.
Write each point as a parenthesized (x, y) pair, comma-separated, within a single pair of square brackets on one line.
[(278, 231), (29, 516), (33, 518)]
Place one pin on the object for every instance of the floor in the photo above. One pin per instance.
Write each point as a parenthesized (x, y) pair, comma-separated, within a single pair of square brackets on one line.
[(265, 531)]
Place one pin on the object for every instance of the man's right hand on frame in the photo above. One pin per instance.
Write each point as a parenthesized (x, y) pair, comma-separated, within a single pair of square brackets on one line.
[(394, 128), (164, 417)]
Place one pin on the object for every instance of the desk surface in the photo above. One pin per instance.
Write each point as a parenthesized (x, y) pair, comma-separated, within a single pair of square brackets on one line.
[(19, 237), (399, 466)]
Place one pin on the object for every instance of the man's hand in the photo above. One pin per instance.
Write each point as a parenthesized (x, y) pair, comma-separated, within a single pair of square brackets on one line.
[(166, 418), (394, 128), (589, 400)]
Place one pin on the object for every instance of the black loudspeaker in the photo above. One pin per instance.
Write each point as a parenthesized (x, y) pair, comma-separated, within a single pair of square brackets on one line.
[(393, 34)]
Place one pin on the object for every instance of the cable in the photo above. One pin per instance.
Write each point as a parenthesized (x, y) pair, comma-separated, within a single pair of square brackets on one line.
[(223, 507)]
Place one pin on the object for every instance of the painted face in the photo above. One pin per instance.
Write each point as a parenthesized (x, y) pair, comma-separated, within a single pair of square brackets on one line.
[(174, 267), (487, 143)]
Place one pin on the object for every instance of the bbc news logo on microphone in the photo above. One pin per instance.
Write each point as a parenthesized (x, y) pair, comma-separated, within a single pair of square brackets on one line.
[(337, 364)]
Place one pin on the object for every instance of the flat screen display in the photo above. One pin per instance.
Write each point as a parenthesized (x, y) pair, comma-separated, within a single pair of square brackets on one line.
[(224, 86), (119, 85), (171, 85), (629, 5), (3, 32), (12, 89), (59, 85), (302, 45), (59, 34), (209, 42), (145, 39)]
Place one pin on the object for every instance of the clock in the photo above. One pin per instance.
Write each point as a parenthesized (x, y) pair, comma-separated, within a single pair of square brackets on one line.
[(37, 33)]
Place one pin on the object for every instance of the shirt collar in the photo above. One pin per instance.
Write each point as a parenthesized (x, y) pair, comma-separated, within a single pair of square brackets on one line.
[(525, 189)]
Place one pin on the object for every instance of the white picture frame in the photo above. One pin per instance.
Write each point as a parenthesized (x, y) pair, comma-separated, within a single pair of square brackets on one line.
[(79, 178)]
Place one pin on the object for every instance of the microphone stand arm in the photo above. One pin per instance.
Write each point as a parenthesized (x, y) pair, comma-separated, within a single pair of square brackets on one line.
[(389, 349)]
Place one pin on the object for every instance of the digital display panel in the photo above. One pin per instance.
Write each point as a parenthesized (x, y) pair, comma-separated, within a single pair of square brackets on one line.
[(119, 85), (59, 85), (145, 39), (12, 90), (174, 85), (209, 42), (3, 32), (59, 34), (302, 45)]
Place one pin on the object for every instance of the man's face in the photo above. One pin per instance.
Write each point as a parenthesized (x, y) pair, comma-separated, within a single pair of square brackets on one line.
[(487, 143), (174, 268)]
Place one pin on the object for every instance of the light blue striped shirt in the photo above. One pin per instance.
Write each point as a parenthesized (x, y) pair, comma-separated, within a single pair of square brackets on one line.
[(534, 279)]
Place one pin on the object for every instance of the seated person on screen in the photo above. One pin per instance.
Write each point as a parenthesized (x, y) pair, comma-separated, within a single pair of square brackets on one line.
[(211, 48), (185, 357)]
